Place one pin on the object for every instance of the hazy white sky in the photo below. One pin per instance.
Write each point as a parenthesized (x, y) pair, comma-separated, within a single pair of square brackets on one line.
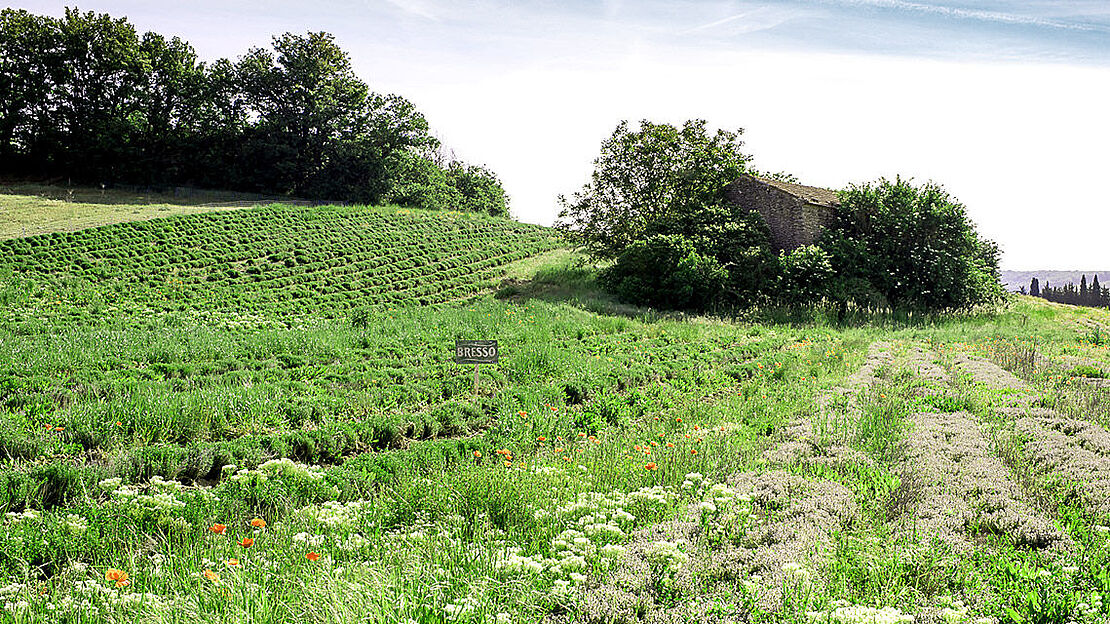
[(1003, 102)]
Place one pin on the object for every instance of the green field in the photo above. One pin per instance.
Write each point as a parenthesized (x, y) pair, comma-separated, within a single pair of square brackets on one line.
[(32, 209), (165, 383)]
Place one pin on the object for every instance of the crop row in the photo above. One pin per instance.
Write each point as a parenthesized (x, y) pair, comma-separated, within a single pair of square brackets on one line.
[(277, 258)]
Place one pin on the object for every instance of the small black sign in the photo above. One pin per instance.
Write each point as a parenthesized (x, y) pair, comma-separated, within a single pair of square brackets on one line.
[(475, 351)]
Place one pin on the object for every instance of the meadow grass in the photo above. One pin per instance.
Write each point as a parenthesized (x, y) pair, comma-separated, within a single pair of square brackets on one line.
[(617, 465)]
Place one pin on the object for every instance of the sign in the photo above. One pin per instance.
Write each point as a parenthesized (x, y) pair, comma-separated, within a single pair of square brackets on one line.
[(475, 351)]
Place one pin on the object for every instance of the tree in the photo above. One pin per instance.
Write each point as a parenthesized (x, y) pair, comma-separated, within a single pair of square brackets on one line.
[(1034, 288), (650, 181), (914, 245), (85, 96), (478, 188)]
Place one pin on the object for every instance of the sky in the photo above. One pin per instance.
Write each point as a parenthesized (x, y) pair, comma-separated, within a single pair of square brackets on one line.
[(1002, 102)]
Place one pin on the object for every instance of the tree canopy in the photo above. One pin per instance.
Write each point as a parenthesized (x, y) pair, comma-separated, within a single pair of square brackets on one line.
[(85, 96), (914, 245), (655, 206), (651, 180)]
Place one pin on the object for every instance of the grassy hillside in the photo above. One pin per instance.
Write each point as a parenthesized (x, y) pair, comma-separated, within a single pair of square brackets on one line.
[(32, 209), (277, 260), (246, 449)]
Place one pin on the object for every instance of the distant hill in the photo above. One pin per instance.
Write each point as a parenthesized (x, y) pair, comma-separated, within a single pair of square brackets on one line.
[(1013, 280)]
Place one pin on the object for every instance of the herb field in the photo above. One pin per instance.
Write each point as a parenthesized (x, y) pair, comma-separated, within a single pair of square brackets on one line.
[(254, 416), (276, 260)]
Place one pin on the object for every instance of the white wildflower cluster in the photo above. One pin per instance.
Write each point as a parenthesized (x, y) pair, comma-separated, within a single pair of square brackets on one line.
[(87, 594), (693, 481), (796, 572), (10, 595), (461, 609), (651, 496), (160, 499), (722, 509), (309, 539), (598, 526), (161, 485), (951, 610), (667, 557), (842, 612), (290, 469), (334, 514), (1090, 607), (15, 517), (76, 524)]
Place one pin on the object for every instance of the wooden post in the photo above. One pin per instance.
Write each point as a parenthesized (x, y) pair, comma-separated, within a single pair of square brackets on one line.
[(476, 379)]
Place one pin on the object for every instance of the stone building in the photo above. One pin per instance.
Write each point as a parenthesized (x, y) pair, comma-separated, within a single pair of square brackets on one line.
[(796, 214)]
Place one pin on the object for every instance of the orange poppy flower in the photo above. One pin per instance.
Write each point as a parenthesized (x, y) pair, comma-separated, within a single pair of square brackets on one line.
[(650, 466), (558, 450), (637, 447), (232, 563), (477, 453), (49, 426), (212, 576), (258, 523), (522, 413), (312, 556), (565, 458), (59, 428), (581, 435), (542, 439), (119, 423), (508, 464), (670, 444), (678, 420), (218, 528), (247, 542), (693, 451), (119, 576)]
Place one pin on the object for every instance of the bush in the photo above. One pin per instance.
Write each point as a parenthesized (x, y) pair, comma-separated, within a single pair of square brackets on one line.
[(666, 271), (478, 189), (914, 245), (807, 274)]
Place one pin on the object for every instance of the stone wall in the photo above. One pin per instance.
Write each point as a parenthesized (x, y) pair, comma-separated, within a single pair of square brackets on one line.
[(795, 214)]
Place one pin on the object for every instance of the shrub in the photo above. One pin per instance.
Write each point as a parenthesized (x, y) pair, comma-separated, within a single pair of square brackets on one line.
[(914, 245), (665, 271)]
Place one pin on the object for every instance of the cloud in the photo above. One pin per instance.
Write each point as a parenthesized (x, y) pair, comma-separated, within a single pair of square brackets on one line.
[(764, 18), (419, 8), (998, 17)]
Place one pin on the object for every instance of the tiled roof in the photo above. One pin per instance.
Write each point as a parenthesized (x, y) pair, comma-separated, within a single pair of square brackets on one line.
[(811, 194)]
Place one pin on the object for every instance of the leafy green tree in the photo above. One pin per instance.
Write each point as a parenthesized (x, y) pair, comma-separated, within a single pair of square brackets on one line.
[(420, 183), (30, 64), (914, 244), (650, 181), (479, 189), (307, 100), (85, 96)]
